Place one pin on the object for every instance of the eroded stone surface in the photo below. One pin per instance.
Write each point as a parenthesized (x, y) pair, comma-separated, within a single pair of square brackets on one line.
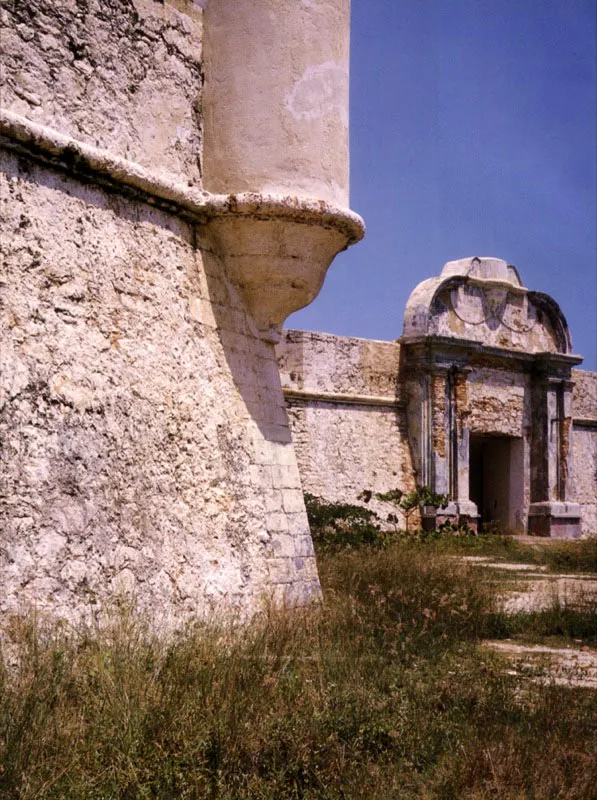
[(350, 440), (146, 440), (584, 394), (125, 75), (499, 401), (320, 362), (584, 438), (585, 475)]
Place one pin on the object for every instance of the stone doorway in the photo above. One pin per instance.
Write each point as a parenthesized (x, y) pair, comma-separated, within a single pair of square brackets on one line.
[(497, 480)]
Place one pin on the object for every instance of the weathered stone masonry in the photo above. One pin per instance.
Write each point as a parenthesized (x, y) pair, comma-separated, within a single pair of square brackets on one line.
[(145, 441), (174, 183), (478, 400), (584, 446), (347, 414)]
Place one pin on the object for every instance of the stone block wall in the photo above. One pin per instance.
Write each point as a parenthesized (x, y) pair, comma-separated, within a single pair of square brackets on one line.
[(584, 438), (584, 395), (146, 444), (145, 439), (125, 75), (322, 362), (348, 422)]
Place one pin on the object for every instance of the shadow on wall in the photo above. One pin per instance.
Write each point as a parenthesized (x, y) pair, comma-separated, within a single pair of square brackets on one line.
[(251, 359)]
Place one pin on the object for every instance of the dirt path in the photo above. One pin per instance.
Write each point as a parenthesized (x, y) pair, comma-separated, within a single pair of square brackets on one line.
[(532, 588), (528, 588), (560, 666)]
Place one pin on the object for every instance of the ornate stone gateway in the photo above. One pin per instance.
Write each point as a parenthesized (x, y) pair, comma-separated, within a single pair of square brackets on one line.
[(488, 383), (478, 400)]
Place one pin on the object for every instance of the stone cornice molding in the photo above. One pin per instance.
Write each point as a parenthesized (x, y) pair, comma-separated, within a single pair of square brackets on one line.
[(340, 398), (445, 348), (276, 248), (73, 155)]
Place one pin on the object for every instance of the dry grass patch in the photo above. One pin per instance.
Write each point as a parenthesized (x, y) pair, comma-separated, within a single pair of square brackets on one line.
[(380, 692)]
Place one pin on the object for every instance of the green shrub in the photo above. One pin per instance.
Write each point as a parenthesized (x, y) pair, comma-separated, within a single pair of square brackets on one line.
[(406, 503), (338, 525)]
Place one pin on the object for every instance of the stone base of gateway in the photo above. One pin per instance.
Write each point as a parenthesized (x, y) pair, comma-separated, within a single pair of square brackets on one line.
[(558, 520)]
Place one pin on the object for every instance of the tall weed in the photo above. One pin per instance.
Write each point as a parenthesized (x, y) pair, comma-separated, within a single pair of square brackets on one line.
[(378, 692)]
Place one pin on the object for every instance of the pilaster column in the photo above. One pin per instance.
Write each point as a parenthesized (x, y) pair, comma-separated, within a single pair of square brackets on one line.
[(462, 430), (462, 437), (439, 429), (550, 439), (552, 512), (566, 449), (539, 441), (446, 449)]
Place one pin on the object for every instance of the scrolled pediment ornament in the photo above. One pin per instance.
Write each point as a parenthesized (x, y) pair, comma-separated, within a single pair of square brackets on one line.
[(484, 300), (479, 305)]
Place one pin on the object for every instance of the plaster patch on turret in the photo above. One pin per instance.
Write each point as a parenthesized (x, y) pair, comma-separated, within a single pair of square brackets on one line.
[(322, 90)]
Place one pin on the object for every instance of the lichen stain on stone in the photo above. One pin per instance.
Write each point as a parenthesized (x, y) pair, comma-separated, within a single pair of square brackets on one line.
[(321, 91)]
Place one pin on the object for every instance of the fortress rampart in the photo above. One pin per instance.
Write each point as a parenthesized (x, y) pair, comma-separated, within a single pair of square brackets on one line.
[(174, 184), (479, 399), (154, 238)]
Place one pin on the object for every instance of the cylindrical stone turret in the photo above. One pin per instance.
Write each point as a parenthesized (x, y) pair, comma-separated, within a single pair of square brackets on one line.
[(276, 97)]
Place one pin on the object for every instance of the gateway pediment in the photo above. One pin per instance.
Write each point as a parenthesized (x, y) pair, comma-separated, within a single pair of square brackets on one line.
[(483, 300)]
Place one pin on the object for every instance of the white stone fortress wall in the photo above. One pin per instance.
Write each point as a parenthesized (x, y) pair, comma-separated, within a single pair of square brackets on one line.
[(477, 399), (347, 415), (584, 438), (145, 441)]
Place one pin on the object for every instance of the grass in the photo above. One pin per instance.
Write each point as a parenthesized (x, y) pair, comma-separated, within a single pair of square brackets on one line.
[(336, 526), (567, 624), (381, 692)]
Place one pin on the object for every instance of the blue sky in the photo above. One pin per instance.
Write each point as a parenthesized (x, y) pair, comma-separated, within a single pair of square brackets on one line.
[(473, 132)]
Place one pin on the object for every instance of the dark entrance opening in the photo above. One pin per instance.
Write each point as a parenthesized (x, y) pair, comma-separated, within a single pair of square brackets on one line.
[(496, 480)]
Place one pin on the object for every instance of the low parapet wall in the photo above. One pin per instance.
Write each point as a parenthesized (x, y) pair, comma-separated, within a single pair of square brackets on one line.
[(347, 418), (584, 438)]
